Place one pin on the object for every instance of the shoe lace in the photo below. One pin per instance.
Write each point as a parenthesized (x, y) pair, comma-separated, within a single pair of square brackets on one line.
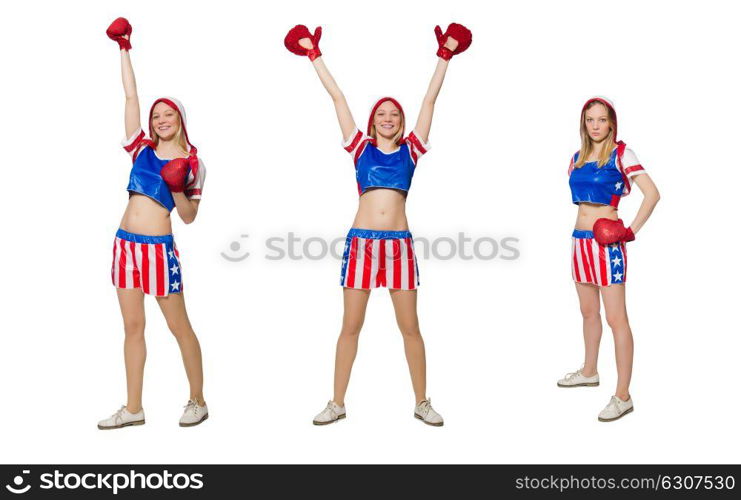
[(330, 409), (118, 415), (192, 403), (614, 403), (425, 407)]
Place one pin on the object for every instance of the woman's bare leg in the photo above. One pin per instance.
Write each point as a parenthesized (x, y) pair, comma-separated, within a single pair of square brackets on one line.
[(405, 307), (355, 303), (613, 297), (131, 302), (591, 325), (173, 308)]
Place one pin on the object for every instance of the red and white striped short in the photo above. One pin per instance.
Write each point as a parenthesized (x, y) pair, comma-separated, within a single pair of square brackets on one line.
[(375, 259), (601, 265), (150, 263)]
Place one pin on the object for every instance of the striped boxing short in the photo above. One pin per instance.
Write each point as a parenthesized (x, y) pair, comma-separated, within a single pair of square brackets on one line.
[(150, 263), (601, 265), (375, 259)]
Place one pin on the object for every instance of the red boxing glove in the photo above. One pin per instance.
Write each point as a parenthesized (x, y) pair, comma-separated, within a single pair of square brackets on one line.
[(117, 30), (460, 33), (607, 231), (297, 33), (174, 173)]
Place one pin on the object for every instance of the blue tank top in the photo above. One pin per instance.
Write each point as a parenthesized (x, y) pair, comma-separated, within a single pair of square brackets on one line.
[(375, 168), (601, 185), (145, 178)]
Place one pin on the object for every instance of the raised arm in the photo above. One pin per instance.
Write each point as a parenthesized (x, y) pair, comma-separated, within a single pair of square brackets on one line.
[(120, 32), (344, 116), (301, 42), (132, 116), (455, 40)]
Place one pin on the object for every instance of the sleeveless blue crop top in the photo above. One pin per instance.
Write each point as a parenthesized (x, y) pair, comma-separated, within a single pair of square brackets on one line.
[(601, 185), (375, 168), (145, 178)]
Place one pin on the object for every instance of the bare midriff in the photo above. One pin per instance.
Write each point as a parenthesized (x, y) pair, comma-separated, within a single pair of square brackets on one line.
[(143, 215), (382, 209), (590, 212)]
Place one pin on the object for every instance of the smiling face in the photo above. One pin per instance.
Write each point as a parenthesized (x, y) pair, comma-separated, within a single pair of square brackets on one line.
[(597, 122), (165, 121), (387, 120)]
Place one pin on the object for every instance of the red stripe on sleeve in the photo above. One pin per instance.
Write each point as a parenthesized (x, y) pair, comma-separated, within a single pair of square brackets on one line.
[(416, 143), (135, 143), (354, 144), (634, 168)]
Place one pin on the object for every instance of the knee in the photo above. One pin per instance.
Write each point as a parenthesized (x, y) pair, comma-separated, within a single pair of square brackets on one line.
[(590, 313), (410, 329), (618, 321), (179, 328), (351, 329), (134, 328)]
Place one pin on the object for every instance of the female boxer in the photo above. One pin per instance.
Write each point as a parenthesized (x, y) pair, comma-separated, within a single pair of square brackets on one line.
[(166, 174), (379, 248), (600, 174)]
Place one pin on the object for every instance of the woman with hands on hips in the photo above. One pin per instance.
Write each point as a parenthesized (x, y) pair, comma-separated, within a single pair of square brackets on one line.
[(600, 174)]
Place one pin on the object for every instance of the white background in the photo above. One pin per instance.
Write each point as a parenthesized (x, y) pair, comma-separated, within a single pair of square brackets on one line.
[(498, 333)]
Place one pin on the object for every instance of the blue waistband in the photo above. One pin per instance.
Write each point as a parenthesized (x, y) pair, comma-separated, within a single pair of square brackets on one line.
[(582, 233), (143, 238), (372, 234)]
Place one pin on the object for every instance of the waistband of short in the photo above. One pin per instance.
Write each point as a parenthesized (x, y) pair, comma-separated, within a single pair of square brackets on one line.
[(143, 238), (372, 234), (582, 233)]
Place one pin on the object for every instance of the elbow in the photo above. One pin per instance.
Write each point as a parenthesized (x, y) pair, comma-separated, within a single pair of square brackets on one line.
[(337, 96), (187, 219)]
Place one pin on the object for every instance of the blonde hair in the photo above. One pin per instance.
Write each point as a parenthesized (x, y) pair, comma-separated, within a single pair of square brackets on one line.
[(179, 136), (586, 141), (397, 137)]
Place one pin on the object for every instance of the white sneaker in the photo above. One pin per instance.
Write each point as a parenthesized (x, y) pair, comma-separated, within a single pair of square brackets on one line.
[(193, 414), (424, 412), (122, 418), (576, 379), (332, 413), (615, 409)]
